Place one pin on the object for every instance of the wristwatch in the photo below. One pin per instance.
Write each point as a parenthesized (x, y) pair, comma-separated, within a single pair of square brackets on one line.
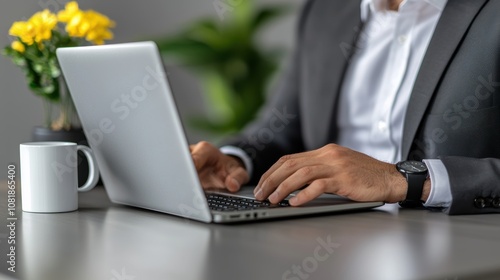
[(416, 174)]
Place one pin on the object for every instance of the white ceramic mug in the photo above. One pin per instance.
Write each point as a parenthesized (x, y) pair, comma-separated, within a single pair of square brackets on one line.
[(49, 176)]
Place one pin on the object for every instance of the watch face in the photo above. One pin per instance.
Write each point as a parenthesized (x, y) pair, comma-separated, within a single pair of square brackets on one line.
[(413, 166)]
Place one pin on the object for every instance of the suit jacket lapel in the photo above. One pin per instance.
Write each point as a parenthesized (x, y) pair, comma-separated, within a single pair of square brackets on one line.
[(452, 26), (329, 50)]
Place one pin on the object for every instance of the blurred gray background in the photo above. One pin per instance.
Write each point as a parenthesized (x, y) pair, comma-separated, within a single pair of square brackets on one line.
[(20, 110)]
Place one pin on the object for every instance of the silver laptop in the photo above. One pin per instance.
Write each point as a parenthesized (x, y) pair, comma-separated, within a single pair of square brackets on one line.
[(129, 116)]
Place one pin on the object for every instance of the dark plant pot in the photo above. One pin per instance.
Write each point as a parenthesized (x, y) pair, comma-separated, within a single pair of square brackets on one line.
[(42, 134)]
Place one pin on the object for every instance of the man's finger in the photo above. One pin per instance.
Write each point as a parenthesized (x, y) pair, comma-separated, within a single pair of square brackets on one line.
[(212, 182), (286, 169), (278, 164), (309, 193), (297, 180), (289, 161), (202, 153), (236, 178)]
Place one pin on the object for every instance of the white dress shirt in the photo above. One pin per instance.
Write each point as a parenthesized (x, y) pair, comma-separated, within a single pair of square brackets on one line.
[(378, 84)]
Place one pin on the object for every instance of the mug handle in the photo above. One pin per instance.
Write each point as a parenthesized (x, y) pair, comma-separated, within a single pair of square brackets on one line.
[(93, 170)]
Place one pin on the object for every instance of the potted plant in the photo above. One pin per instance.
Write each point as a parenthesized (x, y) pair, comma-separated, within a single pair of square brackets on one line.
[(233, 68), (34, 51)]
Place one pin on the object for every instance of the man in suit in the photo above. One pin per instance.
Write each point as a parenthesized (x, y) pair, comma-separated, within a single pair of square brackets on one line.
[(372, 83)]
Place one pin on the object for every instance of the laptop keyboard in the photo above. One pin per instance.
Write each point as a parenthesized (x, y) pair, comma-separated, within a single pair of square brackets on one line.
[(220, 202)]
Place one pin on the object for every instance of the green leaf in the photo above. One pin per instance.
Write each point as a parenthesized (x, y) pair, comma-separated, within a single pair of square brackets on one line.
[(208, 32), (187, 51), (7, 51), (233, 68), (243, 13), (55, 72), (38, 67), (267, 14), (53, 68), (48, 90), (219, 94), (19, 61)]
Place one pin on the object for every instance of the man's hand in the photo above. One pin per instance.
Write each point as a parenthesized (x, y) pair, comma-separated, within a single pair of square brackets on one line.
[(217, 170), (331, 169)]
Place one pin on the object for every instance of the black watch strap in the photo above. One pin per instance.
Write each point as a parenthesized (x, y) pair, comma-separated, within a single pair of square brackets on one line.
[(415, 189)]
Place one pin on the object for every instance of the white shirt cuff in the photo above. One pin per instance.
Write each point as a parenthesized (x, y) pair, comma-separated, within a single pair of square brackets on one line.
[(239, 153), (440, 195)]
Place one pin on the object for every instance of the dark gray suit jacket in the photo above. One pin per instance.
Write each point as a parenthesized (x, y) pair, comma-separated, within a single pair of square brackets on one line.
[(453, 113)]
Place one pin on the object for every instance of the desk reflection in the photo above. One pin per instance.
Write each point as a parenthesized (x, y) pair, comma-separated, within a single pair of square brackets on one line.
[(52, 247), (112, 243)]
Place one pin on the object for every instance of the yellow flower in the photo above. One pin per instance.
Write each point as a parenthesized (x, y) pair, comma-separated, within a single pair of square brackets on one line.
[(77, 25), (18, 46), (74, 19), (38, 28), (98, 27), (24, 30), (70, 11), (43, 23), (89, 24)]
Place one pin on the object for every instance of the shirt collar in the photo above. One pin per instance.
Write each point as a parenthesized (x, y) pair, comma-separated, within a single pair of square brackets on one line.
[(371, 6)]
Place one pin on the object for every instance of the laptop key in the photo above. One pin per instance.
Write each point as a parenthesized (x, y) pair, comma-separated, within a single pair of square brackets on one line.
[(221, 202)]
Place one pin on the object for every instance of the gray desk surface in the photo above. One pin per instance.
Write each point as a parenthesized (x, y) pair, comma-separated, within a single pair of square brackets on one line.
[(106, 241)]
